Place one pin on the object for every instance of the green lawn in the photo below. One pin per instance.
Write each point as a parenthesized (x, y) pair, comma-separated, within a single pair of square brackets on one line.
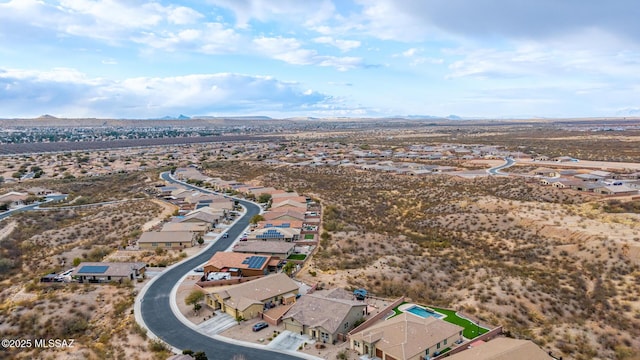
[(470, 328), (308, 236), (297, 257)]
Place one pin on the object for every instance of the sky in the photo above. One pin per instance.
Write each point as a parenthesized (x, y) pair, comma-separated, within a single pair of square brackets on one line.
[(319, 58)]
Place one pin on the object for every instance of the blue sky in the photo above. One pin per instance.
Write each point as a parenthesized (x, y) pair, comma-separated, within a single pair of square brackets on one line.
[(320, 58)]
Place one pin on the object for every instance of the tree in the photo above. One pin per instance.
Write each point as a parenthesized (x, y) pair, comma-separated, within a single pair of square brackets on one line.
[(264, 198), (200, 240), (256, 218), (194, 299), (77, 261), (288, 268), (200, 355)]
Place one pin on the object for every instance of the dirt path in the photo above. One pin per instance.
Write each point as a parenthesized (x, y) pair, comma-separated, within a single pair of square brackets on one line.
[(167, 210), (6, 230)]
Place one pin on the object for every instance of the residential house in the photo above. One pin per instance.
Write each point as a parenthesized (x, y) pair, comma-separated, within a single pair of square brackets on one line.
[(279, 224), (563, 159), (96, 272), (39, 191), (275, 249), (615, 190), (589, 177), (502, 348), (284, 194), (14, 198), (201, 217), (406, 337), (284, 234), (199, 228), (248, 300), (325, 315), (288, 204), (166, 239), (287, 215), (238, 264), (292, 197)]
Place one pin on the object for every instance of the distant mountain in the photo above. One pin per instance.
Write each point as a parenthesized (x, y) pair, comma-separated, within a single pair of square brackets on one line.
[(249, 117), (46, 117), (428, 117), (628, 112), (180, 117)]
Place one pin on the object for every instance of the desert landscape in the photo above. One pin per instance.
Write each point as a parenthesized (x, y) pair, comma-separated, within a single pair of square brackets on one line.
[(556, 266)]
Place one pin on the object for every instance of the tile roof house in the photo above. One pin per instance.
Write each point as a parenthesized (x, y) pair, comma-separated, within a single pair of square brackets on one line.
[(290, 215), (238, 264), (198, 217), (291, 197), (278, 249), (195, 227), (325, 315), (503, 349), (280, 224), (96, 272), (406, 337), (284, 234), (14, 198), (284, 194), (249, 299), (289, 204), (166, 239)]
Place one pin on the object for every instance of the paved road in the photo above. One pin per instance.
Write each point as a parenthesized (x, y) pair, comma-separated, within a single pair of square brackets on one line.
[(496, 170), (33, 206), (156, 310)]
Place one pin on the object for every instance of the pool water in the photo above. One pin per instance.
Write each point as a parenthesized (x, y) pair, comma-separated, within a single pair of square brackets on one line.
[(422, 312)]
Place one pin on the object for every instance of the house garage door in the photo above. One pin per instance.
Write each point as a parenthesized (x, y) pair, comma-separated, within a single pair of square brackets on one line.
[(390, 358), (379, 353)]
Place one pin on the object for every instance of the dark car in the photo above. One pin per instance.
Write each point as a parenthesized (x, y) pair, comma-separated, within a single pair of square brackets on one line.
[(259, 326)]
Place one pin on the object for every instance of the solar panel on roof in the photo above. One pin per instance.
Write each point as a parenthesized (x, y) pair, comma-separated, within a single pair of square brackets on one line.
[(256, 262), (91, 269)]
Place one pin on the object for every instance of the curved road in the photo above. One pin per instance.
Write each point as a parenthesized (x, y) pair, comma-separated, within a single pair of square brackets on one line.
[(160, 320), (496, 170)]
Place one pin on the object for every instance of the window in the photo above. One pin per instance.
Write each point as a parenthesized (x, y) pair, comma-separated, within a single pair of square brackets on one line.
[(346, 325), (356, 344), (154, 244), (445, 342), (438, 346), (167, 244), (427, 353)]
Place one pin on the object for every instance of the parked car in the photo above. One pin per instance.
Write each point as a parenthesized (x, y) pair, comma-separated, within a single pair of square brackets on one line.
[(259, 326), (199, 269)]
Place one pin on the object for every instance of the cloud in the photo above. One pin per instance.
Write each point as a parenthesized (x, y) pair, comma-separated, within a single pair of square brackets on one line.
[(544, 62), (68, 92), (416, 59), (343, 45), (290, 50), (113, 21), (411, 19), (212, 38), (307, 12)]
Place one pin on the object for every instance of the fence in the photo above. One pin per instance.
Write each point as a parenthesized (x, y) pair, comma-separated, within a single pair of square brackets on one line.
[(383, 313), (485, 337)]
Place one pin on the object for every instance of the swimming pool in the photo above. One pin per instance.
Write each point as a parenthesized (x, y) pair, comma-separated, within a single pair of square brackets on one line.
[(423, 313)]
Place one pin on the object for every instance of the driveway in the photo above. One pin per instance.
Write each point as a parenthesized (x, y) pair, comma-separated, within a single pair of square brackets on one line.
[(289, 341)]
